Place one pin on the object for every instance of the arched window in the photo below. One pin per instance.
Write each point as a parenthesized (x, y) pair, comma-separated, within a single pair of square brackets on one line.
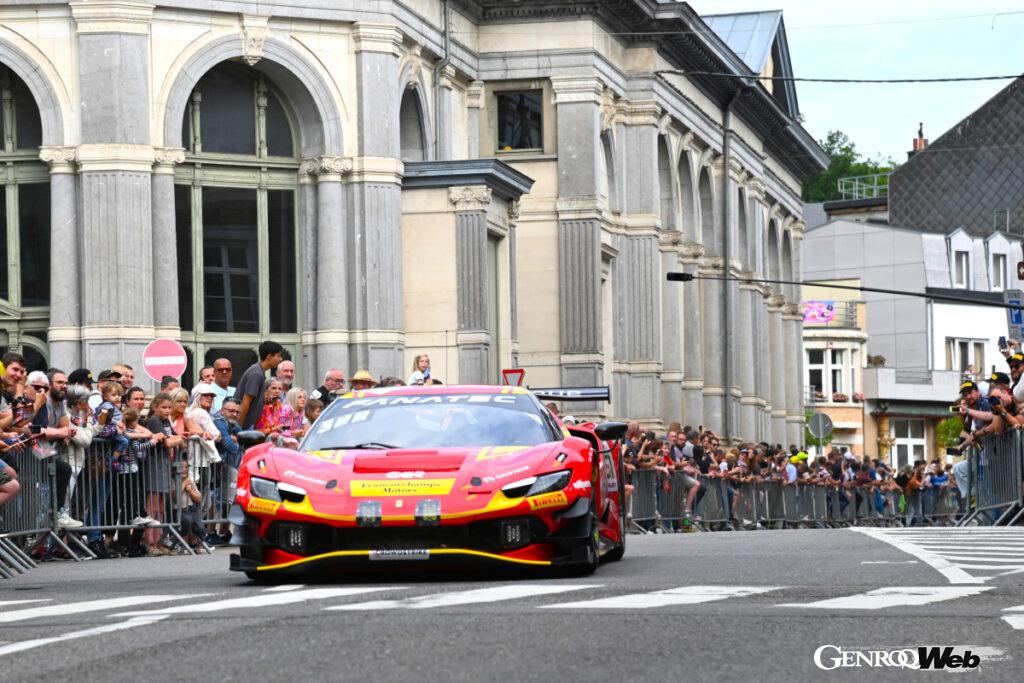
[(24, 219), (411, 127), (235, 212)]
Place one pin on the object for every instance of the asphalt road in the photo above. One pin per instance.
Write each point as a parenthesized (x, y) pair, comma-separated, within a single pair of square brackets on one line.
[(705, 606)]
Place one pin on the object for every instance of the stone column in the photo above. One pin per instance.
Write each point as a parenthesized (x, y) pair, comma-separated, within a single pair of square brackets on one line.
[(374, 241), (777, 361), (331, 294), (745, 359), (712, 294), (584, 355), (64, 335), (692, 337), (312, 374), (165, 244), (445, 109), (116, 163), (474, 104), (672, 333), (793, 322), (471, 202)]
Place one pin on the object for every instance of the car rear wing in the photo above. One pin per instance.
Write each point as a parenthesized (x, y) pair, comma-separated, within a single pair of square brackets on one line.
[(573, 393)]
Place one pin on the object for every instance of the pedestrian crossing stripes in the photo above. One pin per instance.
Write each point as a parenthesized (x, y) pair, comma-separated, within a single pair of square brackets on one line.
[(893, 596), (964, 555), (685, 595), (470, 597), (344, 599)]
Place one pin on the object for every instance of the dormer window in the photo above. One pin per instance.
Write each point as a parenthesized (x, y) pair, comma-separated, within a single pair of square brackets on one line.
[(961, 269)]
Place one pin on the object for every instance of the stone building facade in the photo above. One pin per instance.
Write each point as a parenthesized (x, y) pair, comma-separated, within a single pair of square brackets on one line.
[(495, 184)]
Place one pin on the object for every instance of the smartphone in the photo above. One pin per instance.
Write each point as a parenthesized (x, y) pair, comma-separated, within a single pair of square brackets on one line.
[(1002, 343), (34, 429), (955, 408), (104, 416)]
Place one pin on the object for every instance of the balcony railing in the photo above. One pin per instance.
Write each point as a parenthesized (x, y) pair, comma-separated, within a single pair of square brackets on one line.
[(865, 186), (840, 314), (814, 396)]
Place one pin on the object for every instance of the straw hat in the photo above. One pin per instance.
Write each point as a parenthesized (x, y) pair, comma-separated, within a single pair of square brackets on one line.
[(363, 376)]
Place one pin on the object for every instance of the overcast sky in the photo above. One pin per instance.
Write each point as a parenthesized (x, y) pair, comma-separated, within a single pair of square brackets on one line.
[(861, 40)]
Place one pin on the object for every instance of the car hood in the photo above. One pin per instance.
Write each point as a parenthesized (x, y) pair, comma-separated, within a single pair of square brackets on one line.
[(336, 481)]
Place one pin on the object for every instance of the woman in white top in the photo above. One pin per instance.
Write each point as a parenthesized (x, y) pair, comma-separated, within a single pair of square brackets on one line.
[(420, 370)]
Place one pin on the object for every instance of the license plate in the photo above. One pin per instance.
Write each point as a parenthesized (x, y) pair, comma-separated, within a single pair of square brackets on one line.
[(400, 554)]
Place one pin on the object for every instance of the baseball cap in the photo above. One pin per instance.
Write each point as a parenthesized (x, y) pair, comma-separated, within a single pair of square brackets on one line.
[(1016, 359), (80, 376), (110, 374), (999, 378), (203, 389), (968, 386)]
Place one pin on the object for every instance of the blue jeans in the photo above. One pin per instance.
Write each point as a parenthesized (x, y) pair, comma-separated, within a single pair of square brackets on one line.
[(97, 504)]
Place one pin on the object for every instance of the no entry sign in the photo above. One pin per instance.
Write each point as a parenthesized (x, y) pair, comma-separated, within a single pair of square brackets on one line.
[(164, 357)]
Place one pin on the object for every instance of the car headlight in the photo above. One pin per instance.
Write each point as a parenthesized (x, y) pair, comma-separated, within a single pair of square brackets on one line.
[(264, 488), (534, 486)]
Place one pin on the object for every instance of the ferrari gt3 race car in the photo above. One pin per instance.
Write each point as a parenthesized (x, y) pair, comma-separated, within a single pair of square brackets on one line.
[(438, 475)]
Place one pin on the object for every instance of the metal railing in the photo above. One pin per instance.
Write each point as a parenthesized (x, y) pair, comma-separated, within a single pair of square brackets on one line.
[(147, 496), (864, 186), (658, 504), (992, 480)]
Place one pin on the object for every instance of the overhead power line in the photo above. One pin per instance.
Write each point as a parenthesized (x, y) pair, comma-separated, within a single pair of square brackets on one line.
[(802, 79)]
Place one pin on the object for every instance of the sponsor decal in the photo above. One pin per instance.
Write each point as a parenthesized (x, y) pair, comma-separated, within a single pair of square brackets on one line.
[(303, 477), (426, 487), (581, 485), (830, 657), (327, 456), (382, 401), (561, 457), (503, 475), (265, 507), (399, 554), (492, 452), (548, 500), (405, 475), (240, 492)]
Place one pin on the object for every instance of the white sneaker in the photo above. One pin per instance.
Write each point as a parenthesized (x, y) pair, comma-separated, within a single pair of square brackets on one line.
[(65, 522)]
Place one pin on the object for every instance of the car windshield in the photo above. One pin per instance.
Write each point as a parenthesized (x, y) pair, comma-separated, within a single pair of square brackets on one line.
[(431, 421)]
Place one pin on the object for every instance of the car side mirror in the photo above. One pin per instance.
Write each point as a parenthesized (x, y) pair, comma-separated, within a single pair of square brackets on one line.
[(611, 431), (250, 437)]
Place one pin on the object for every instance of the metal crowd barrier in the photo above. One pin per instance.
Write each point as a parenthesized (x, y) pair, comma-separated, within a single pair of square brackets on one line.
[(995, 480), (658, 504)]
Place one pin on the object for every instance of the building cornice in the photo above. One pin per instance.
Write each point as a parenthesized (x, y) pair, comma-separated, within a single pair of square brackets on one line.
[(112, 16)]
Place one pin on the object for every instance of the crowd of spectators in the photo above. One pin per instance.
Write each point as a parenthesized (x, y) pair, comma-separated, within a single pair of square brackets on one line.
[(124, 493), (688, 461)]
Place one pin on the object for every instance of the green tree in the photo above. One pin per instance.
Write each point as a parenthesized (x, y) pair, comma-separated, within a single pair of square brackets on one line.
[(947, 432), (846, 162)]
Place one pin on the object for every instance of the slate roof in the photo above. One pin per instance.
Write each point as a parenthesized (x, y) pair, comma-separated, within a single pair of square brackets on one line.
[(970, 177)]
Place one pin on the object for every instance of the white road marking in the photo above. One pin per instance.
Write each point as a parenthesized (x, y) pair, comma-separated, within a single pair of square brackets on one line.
[(684, 595), (95, 631), (469, 597), (1019, 550), (889, 562), (952, 572), (893, 596), (20, 602), (989, 566), (91, 606), (1016, 621), (987, 557), (261, 600), (286, 587)]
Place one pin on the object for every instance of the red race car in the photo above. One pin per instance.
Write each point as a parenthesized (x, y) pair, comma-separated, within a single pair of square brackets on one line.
[(443, 475)]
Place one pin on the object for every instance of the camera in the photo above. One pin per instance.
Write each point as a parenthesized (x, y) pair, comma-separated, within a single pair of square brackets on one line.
[(649, 435)]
